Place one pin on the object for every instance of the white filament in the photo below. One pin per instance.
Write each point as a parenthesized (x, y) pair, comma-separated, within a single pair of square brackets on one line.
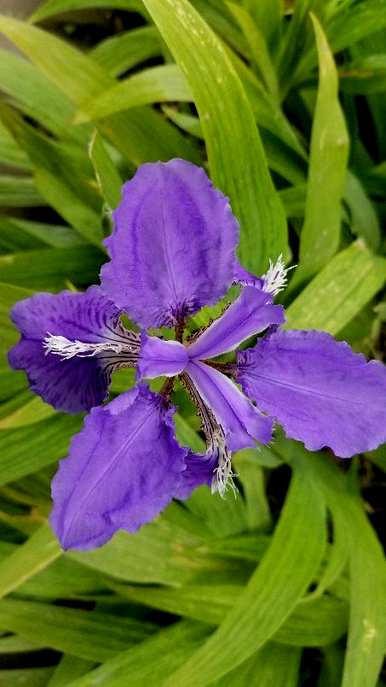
[(275, 279), (66, 349), (222, 475)]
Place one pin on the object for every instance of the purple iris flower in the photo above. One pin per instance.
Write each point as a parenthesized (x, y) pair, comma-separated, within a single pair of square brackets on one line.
[(171, 253)]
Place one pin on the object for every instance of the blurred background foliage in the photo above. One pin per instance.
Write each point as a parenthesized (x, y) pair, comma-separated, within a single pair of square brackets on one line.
[(285, 104)]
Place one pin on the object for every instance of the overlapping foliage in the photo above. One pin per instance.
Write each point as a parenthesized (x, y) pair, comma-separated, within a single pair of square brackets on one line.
[(284, 585)]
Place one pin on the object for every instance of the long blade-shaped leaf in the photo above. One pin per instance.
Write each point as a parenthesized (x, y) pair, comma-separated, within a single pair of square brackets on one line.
[(157, 84), (38, 551), (367, 624), (141, 134), (339, 292), (272, 592), (327, 172), (272, 666)]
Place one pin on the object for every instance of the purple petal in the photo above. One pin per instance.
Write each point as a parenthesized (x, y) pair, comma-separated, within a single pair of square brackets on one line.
[(273, 281), (322, 392), (78, 383), (242, 422), (199, 471), (124, 467), (250, 314), (172, 249), (161, 358), (245, 278)]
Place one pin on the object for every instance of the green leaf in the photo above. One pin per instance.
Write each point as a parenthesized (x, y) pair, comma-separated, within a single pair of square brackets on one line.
[(33, 677), (186, 122), (218, 16), (118, 54), (252, 479), (349, 24), (337, 560), (271, 666), (367, 622), (51, 268), (320, 235), (354, 23), (339, 292), (364, 75), (141, 134), (15, 403), (367, 626), (314, 622), (235, 153), (68, 669), (12, 644), (223, 517), (27, 449), (332, 666), (61, 176), (52, 7), (187, 436), (9, 295), (378, 457), (271, 594), (258, 47), (293, 44), (18, 192), (160, 553), (107, 176), (64, 579), (10, 151), (294, 199), (363, 217), (28, 559), (73, 631), (32, 411), (156, 84), (148, 662), (35, 95), (267, 15), (19, 231)]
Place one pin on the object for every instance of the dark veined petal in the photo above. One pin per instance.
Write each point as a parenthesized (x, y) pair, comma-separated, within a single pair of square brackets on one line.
[(242, 422), (65, 373), (322, 392), (172, 249), (200, 470), (123, 468), (251, 313), (160, 358)]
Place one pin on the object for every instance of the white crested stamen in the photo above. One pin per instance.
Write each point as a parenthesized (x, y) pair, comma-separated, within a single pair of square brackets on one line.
[(275, 279), (67, 349), (223, 476), (217, 449)]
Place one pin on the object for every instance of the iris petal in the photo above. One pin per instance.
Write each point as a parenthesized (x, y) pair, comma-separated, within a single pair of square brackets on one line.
[(199, 471), (123, 468), (161, 358), (172, 249), (78, 383), (242, 422), (244, 278), (250, 314), (322, 392)]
